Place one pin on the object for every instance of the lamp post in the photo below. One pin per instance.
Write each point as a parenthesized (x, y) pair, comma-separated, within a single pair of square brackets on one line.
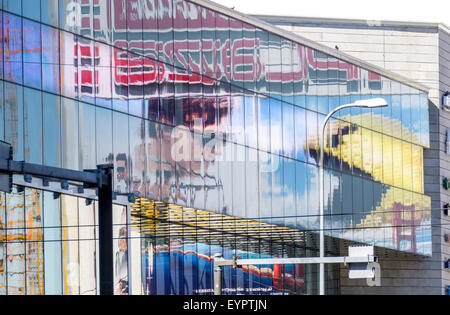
[(369, 103)]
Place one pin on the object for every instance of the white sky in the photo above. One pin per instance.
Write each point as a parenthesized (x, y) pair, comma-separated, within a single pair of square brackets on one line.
[(388, 10)]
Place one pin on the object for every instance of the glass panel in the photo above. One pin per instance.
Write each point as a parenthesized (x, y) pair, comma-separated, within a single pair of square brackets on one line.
[(137, 155), (70, 245), (226, 178), (386, 111), (265, 187), (407, 166), (277, 192), (311, 91), (136, 84), (103, 118), (425, 121), (33, 125), (153, 140), (15, 247), (212, 184), (52, 245), (396, 100), (168, 179), (387, 161), (51, 129), (299, 69), (336, 204), (197, 167), (87, 150), (397, 163), (287, 75), (251, 184), (322, 83), (406, 112), (49, 11), (182, 154), (289, 191), (14, 125), (121, 147), (356, 149), (103, 80), (377, 144), (165, 29), (262, 55), (237, 115), (210, 112), (3, 246), (120, 80), (313, 197), (12, 47), (50, 59), (224, 111), (72, 17), (69, 134), (357, 188), (167, 102), (313, 146), (14, 6), (87, 248), (367, 151), (69, 69), (415, 116), (193, 15), (2, 109), (223, 63), (32, 53), (300, 133), (289, 130), (417, 168), (251, 121), (85, 57), (34, 244), (120, 234), (239, 182), (263, 124), (274, 69), (276, 127)]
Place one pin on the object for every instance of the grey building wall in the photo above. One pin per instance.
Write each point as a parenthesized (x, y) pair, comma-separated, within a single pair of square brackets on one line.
[(444, 85), (421, 52)]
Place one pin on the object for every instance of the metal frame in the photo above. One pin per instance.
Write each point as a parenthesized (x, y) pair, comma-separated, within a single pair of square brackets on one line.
[(370, 261), (99, 179)]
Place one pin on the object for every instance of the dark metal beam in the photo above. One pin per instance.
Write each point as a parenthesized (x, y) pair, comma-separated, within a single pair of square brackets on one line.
[(38, 170), (101, 179), (105, 221)]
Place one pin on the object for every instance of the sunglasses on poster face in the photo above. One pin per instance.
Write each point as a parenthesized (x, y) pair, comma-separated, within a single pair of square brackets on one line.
[(121, 169)]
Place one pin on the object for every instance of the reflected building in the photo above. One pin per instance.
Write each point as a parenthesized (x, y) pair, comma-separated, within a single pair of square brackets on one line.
[(212, 118)]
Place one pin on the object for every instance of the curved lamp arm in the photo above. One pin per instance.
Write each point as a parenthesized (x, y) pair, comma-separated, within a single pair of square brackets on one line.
[(370, 103)]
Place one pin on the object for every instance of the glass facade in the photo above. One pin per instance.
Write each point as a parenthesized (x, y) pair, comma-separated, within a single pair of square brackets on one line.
[(215, 123)]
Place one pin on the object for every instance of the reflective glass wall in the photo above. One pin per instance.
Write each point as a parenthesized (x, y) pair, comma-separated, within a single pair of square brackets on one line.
[(201, 110)]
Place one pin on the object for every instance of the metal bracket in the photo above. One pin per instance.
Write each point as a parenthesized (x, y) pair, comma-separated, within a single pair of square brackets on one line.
[(376, 280)]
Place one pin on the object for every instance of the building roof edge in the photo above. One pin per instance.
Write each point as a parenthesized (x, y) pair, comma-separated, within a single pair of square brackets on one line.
[(253, 20)]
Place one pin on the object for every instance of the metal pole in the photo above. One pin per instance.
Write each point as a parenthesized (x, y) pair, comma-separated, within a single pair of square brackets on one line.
[(321, 198), (321, 211), (370, 103), (105, 220), (217, 275)]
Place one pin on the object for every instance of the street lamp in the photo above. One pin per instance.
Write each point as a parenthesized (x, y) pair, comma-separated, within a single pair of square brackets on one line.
[(369, 103)]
